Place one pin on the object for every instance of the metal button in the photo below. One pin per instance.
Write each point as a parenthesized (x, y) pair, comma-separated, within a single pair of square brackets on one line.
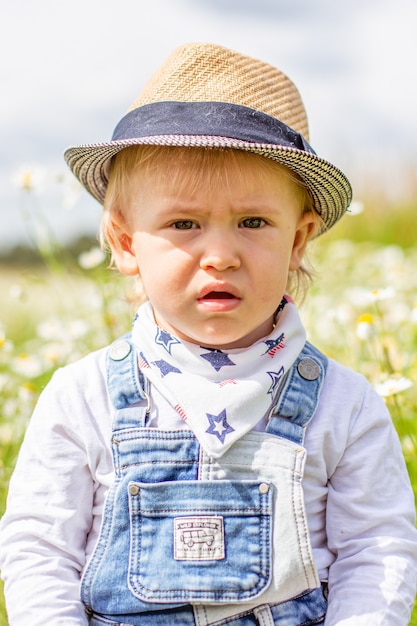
[(263, 488), (308, 369), (133, 490), (119, 350)]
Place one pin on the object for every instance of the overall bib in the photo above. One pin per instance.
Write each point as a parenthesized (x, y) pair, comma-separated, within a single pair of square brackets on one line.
[(191, 540)]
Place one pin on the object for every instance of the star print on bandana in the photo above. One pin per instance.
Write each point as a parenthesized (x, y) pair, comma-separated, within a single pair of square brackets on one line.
[(217, 359), (274, 345), (143, 363), (285, 300), (219, 426), (165, 339), (219, 393), (276, 378), (165, 368), (228, 381)]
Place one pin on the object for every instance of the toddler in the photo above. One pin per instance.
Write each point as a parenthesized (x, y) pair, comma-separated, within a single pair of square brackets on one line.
[(211, 467)]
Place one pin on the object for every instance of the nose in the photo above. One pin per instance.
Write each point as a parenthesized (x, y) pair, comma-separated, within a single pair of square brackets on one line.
[(220, 252)]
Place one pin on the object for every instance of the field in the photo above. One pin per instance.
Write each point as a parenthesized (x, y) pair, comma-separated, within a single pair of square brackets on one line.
[(361, 310)]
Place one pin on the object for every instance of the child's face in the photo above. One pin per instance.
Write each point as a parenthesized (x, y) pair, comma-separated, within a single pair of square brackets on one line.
[(214, 257)]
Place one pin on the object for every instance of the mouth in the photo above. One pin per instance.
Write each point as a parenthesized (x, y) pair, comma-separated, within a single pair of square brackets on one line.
[(218, 295), (219, 290), (219, 299)]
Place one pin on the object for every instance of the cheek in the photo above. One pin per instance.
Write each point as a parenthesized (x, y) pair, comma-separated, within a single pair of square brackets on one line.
[(161, 275), (274, 281)]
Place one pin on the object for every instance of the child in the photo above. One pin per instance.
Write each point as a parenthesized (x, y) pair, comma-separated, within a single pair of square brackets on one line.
[(211, 467)]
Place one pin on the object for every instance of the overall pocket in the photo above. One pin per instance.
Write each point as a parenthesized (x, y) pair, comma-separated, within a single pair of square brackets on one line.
[(199, 541)]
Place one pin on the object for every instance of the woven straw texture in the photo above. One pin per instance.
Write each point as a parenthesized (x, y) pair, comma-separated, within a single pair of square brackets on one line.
[(210, 73)]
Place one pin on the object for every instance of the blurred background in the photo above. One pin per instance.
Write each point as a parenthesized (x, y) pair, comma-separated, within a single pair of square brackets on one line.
[(69, 71)]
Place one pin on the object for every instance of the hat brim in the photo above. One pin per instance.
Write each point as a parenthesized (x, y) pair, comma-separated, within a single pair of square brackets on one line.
[(329, 187)]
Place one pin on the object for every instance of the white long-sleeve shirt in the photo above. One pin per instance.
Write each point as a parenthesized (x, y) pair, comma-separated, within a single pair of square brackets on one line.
[(358, 499)]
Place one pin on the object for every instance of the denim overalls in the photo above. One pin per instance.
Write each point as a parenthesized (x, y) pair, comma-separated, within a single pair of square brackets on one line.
[(191, 540)]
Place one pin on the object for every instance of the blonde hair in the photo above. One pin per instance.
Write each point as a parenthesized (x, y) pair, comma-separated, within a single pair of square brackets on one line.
[(202, 163)]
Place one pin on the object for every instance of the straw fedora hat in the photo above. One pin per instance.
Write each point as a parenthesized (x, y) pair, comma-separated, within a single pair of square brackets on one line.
[(205, 95)]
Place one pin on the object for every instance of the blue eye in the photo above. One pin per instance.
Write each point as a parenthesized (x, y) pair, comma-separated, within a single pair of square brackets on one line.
[(253, 222), (183, 224)]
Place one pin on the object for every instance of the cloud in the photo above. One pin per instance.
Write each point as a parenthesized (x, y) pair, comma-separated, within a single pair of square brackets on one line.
[(71, 70)]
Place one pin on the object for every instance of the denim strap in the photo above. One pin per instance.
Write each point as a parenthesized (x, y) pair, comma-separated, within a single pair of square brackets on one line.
[(298, 397), (127, 387)]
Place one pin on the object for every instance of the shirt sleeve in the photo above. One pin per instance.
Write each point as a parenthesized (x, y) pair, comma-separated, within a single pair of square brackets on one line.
[(370, 522), (50, 510)]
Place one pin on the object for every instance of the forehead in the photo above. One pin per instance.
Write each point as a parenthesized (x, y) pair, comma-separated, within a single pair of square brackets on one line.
[(193, 168)]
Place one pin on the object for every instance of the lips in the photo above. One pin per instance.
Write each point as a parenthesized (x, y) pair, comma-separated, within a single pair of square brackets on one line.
[(219, 298), (219, 291)]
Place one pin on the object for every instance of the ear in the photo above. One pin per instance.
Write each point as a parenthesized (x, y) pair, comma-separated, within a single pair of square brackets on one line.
[(305, 229), (120, 241)]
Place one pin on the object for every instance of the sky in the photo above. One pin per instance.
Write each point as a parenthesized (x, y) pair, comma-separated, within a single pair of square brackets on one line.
[(69, 72)]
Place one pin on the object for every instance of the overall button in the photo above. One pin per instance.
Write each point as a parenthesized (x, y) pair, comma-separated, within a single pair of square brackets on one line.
[(308, 369), (263, 488), (119, 350)]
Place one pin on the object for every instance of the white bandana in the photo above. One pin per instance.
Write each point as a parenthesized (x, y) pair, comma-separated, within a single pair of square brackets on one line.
[(220, 394)]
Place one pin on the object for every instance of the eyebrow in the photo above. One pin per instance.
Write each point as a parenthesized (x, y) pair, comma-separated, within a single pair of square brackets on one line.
[(190, 208)]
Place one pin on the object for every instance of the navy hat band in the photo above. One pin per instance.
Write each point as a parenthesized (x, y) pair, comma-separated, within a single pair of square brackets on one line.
[(216, 119)]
